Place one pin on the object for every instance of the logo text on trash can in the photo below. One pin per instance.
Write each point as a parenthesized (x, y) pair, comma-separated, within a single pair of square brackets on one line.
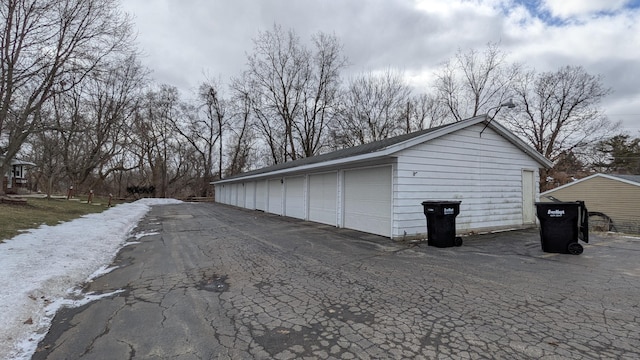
[(448, 211), (555, 213)]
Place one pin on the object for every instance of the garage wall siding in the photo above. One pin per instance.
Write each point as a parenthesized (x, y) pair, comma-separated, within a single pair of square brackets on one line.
[(485, 173), (617, 199)]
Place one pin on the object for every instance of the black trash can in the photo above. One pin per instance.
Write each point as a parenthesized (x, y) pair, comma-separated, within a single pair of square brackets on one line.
[(561, 225), (441, 223)]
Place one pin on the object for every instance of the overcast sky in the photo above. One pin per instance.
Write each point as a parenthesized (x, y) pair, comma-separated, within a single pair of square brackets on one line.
[(185, 41)]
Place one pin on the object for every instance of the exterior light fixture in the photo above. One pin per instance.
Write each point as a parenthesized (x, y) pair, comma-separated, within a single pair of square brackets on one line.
[(508, 104)]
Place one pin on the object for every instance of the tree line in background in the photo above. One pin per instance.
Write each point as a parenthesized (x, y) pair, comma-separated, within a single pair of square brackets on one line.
[(75, 100)]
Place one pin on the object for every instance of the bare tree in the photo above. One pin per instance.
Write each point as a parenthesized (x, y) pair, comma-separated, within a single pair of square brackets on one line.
[(293, 91), (473, 82), (93, 117), (202, 127), (46, 149), (559, 111), (48, 46), (216, 111), (373, 107), (423, 111), (152, 140), (240, 142), (320, 94)]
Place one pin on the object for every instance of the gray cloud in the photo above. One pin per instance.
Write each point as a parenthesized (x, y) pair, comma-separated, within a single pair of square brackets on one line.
[(187, 39)]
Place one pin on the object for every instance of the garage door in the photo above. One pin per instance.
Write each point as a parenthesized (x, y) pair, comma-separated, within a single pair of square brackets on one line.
[(322, 198), (234, 194), (275, 196), (227, 194), (261, 195), (367, 200), (241, 194), (294, 197), (250, 195)]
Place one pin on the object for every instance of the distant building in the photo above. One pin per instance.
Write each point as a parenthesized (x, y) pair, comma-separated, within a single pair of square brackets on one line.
[(613, 201), (16, 177)]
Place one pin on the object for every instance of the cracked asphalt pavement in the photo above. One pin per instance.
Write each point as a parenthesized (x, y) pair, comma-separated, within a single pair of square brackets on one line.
[(210, 281)]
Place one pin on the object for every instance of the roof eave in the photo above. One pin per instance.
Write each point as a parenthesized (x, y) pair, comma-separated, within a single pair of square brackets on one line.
[(511, 137), (391, 149), (606, 176), (326, 164)]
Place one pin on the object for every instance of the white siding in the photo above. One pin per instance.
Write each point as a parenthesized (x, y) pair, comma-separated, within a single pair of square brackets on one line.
[(367, 200), (233, 200), (250, 195), (261, 195), (226, 194), (242, 188), (528, 196), (274, 203), (323, 190), (485, 173), (294, 202)]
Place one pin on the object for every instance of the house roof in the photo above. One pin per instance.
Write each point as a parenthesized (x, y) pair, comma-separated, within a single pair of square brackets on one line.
[(18, 162), (21, 162), (385, 147), (628, 179)]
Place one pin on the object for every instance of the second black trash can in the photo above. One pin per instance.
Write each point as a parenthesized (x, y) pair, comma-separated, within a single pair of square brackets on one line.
[(441, 223), (561, 225)]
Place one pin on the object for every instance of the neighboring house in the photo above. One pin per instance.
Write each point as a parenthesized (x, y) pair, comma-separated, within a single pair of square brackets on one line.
[(613, 201), (16, 177), (379, 187)]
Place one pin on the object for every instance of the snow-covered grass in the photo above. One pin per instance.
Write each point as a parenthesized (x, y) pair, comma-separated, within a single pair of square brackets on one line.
[(40, 271)]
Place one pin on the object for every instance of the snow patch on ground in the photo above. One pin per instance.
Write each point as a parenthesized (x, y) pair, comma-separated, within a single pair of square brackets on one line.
[(40, 270)]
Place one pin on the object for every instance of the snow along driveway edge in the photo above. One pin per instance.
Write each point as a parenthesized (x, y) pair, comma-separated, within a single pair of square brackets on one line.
[(40, 269)]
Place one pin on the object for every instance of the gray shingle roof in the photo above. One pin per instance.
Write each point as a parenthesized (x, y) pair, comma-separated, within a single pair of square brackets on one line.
[(340, 154), (385, 147)]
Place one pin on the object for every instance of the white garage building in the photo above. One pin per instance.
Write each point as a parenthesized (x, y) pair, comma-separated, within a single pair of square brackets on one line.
[(379, 187)]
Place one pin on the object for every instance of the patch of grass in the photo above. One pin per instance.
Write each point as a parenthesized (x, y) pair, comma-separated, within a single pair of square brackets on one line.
[(38, 211)]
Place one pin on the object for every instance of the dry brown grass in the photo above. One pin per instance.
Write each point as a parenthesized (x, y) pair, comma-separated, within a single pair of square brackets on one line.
[(15, 218)]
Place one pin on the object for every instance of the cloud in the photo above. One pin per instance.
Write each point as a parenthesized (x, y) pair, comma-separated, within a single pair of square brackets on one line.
[(188, 40), (579, 8)]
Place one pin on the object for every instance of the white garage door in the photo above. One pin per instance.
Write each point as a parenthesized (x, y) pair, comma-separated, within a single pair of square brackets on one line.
[(275, 196), (241, 194), (234, 194), (367, 200), (294, 197), (227, 194), (250, 195), (322, 198), (261, 195)]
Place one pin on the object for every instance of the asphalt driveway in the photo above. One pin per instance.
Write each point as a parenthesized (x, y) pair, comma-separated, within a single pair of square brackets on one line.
[(209, 281)]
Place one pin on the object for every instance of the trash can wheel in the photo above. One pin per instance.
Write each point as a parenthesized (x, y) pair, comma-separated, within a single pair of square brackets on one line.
[(574, 248), (457, 241)]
